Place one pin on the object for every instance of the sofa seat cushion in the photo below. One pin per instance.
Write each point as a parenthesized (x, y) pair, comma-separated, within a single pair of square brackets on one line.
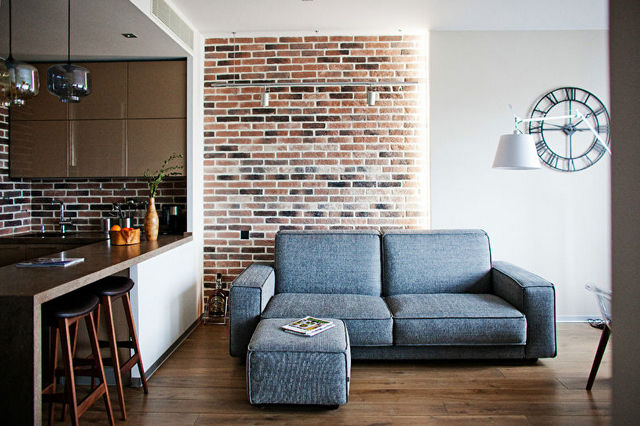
[(367, 318), (456, 319)]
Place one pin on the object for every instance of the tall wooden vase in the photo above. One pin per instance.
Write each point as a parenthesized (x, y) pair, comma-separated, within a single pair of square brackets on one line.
[(151, 221)]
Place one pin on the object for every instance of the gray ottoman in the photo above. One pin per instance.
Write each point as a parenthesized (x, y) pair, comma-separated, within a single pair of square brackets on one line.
[(283, 368)]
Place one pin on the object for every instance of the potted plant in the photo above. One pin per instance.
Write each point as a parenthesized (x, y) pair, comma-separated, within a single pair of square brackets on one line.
[(154, 179)]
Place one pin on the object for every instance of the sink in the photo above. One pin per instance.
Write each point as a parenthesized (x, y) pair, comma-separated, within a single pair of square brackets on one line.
[(44, 235)]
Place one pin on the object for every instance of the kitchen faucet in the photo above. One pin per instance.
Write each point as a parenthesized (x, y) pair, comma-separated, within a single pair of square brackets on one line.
[(63, 222)]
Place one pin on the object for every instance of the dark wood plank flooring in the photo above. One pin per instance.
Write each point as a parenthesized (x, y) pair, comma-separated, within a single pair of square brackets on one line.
[(202, 384)]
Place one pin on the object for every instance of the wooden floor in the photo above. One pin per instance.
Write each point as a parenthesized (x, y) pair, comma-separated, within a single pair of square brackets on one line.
[(202, 384)]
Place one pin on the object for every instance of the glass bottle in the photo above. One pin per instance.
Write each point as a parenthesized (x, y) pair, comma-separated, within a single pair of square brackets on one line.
[(218, 300)]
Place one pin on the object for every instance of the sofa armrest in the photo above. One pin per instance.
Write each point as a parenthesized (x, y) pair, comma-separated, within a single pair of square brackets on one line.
[(248, 296), (535, 298)]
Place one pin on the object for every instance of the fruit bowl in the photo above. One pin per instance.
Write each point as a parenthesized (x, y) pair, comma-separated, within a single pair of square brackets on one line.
[(125, 237)]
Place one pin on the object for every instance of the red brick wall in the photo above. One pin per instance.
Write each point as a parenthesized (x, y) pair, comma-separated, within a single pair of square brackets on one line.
[(316, 157), (14, 194)]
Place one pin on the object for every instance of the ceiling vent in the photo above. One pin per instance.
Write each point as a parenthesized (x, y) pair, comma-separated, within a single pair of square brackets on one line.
[(170, 18)]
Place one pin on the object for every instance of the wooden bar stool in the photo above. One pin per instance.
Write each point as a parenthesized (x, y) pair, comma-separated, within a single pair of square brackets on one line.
[(108, 290), (61, 315)]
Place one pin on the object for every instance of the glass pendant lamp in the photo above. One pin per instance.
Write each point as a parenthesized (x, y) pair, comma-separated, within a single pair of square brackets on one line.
[(67, 81), (18, 80)]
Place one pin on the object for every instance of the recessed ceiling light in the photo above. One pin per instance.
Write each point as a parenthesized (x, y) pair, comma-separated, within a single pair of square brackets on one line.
[(129, 35)]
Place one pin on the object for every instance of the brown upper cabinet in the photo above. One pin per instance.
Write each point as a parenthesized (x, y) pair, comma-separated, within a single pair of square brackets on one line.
[(153, 141), (134, 118), (38, 148), (108, 98), (97, 148), (157, 89)]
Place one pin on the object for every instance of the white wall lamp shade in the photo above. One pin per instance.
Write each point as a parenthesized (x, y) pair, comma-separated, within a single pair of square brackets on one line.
[(264, 99), (516, 152), (371, 98)]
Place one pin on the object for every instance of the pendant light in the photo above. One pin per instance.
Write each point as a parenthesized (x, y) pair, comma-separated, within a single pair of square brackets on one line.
[(18, 80), (67, 81)]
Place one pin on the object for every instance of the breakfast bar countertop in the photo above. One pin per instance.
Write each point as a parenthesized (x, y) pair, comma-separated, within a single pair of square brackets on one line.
[(101, 259)]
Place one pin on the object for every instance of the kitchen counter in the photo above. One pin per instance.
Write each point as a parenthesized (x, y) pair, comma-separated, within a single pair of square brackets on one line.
[(101, 259), (23, 290)]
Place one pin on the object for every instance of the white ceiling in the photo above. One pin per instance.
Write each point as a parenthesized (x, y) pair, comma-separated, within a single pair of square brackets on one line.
[(215, 17), (39, 26), (40, 31)]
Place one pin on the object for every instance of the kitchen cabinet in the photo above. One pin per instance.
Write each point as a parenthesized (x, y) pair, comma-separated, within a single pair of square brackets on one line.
[(38, 148), (108, 97), (44, 106), (134, 118), (97, 148), (153, 141), (157, 89)]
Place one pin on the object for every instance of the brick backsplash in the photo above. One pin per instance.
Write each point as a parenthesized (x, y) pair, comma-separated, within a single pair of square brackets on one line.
[(14, 194), (26, 204), (317, 157), (88, 200)]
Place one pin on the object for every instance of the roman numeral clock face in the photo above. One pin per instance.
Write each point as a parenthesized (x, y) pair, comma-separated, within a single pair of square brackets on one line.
[(568, 144)]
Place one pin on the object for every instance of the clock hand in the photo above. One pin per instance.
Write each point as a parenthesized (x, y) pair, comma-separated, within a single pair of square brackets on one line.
[(583, 118), (604, 145)]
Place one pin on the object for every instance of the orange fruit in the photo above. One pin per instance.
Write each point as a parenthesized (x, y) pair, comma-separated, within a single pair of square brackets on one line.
[(115, 228)]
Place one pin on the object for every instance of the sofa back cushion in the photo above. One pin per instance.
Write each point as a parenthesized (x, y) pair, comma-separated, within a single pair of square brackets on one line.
[(334, 262), (425, 262)]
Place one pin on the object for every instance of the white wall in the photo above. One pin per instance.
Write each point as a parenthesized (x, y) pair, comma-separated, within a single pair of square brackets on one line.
[(555, 224)]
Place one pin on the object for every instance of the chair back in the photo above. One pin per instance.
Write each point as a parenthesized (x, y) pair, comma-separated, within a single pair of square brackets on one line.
[(604, 302)]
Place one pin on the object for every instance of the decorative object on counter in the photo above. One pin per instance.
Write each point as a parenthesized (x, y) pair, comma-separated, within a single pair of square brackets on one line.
[(43, 262), (151, 221), (18, 80), (67, 81), (216, 304), (124, 236)]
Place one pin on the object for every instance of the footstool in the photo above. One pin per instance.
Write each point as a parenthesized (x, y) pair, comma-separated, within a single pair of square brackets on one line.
[(283, 368)]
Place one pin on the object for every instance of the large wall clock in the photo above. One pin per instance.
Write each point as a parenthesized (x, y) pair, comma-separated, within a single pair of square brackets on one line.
[(568, 144)]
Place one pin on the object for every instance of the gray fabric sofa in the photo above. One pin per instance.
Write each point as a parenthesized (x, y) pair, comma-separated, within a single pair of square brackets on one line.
[(401, 294)]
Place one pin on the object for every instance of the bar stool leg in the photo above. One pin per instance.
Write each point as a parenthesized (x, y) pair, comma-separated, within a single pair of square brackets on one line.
[(115, 357), (67, 356), (54, 363), (95, 347), (96, 321), (126, 302)]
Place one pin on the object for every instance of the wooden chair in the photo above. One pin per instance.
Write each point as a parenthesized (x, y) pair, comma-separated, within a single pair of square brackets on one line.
[(604, 302)]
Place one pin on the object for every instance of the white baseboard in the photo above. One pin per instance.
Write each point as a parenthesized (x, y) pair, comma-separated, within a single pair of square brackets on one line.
[(576, 318)]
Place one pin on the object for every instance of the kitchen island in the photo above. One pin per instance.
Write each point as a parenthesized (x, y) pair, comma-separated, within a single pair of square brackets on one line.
[(165, 281)]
